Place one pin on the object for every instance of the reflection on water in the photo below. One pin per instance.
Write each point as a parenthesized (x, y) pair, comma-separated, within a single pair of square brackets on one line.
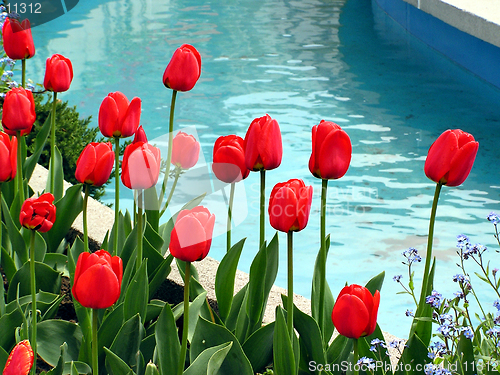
[(302, 61)]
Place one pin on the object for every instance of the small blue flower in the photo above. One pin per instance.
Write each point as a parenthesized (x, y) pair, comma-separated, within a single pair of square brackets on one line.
[(497, 304), (397, 278), (494, 218), (468, 333), (434, 299), (409, 313)]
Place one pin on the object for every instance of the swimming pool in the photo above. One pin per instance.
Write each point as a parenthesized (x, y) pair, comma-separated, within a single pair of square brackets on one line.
[(302, 62)]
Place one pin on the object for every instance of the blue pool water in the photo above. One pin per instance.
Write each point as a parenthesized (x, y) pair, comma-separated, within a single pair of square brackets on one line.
[(302, 61)]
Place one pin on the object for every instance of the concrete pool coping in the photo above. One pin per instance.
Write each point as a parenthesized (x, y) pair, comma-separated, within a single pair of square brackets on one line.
[(101, 219), (467, 32)]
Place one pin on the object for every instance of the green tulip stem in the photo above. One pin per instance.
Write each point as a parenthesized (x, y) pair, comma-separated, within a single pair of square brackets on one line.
[(230, 216), (117, 193), (19, 173), (289, 310), (178, 171), (430, 238), (170, 142), (140, 230), (322, 262), (85, 229), (262, 206), (33, 299), (53, 143), (95, 352), (23, 73), (185, 324), (355, 356)]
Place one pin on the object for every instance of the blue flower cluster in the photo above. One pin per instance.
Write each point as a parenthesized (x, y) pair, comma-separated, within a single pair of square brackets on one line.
[(494, 218), (435, 299), (467, 249), (412, 256)]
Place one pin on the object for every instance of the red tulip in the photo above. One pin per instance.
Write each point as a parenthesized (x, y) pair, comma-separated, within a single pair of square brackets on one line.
[(95, 163), (17, 39), (140, 135), (98, 279), (331, 151), (290, 205), (118, 117), (355, 312), (192, 234), (450, 158), (38, 213), (8, 157), (185, 150), (20, 359), (229, 159), (141, 165), (58, 73), (18, 111), (263, 148), (184, 69)]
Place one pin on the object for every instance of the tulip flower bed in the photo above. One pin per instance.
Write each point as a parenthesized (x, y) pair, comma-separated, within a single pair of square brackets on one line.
[(121, 328)]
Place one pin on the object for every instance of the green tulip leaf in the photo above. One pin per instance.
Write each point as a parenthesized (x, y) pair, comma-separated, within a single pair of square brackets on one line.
[(153, 237), (309, 333), (50, 310), (208, 335), (422, 322), (415, 352), (181, 266), (58, 370), (18, 244), (109, 328), (67, 209), (167, 341), (56, 164), (125, 252), (77, 367), (8, 265), (40, 139), (128, 340), (236, 308), (47, 280), (160, 274), (259, 347), (224, 279), (326, 327), (51, 334), (115, 365), (3, 357), (284, 358), (155, 306), (136, 297), (465, 351), (148, 347), (376, 283), (209, 361), (165, 231), (339, 350), (58, 262), (154, 257), (194, 313), (73, 254), (8, 325)]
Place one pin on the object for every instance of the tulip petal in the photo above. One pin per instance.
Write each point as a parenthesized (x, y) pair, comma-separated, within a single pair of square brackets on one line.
[(462, 163), (188, 240), (85, 164), (304, 206), (97, 287), (373, 315), (270, 145), (350, 316), (61, 77), (20, 359), (440, 154), (283, 209), (131, 118), (335, 155), (108, 117)]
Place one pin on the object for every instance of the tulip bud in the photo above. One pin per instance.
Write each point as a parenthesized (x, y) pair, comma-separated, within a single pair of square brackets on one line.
[(18, 111), (355, 311), (184, 69), (98, 279), (58, 73), (118, 117), (192, 234), (141, 165), (331, 151), (229, 159), (263, 147), (451, 157), (185, 151), (17, 39), (8, 157), (95, 163), (38, 213), (290, 205), (20, 359)]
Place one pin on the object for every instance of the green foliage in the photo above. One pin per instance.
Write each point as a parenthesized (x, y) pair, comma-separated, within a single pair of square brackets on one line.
[(72, 135)]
